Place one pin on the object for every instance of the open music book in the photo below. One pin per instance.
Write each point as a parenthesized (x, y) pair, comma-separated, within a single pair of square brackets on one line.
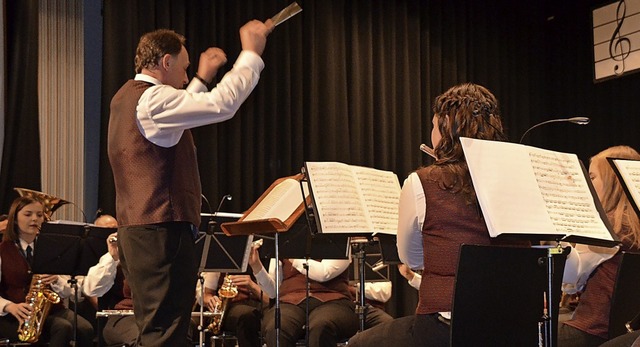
[(275, 211), (353, 199), (542, 194), (628, 171)]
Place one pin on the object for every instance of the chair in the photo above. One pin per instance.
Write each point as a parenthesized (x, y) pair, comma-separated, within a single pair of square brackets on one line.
[(625, 301), (499, 295)]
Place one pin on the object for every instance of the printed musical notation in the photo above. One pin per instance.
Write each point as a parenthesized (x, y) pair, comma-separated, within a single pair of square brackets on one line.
[(532, 191), (565, 192), (629, 173), (354, 199), (616, 38)]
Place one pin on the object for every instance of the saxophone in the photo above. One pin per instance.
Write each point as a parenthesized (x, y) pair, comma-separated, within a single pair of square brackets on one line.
[(227, 292), (40, 297)]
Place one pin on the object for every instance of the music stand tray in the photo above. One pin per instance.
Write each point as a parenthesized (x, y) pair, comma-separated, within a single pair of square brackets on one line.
[(69, 248)]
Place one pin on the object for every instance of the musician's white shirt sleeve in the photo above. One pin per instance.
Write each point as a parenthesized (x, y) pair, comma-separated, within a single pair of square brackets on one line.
[(101, 276), (411, 213), (581, 262), (319, 271), (378, 291), (163, 112)]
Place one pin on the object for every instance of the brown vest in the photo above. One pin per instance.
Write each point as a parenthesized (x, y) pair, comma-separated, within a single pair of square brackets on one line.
[(153, 184), (294, 284), (449, 222), (16, 275), (592, 313)]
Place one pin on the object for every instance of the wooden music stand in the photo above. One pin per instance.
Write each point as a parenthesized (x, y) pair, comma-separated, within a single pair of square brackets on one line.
[(261, 219)]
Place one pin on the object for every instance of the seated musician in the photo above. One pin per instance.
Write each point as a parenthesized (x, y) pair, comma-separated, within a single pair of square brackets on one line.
[(397, 330), (243, 312), (106, 281), (376, 294), (331, 306), (26, 216)]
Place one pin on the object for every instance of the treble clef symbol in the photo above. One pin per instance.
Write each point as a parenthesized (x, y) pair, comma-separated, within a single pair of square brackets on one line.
[(619, 47)]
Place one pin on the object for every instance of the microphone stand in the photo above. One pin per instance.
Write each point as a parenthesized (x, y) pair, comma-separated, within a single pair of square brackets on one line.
[(574, 120)]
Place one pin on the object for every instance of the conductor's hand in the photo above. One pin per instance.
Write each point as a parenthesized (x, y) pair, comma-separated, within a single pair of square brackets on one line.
[(210, 61), (21, 311), (112, 247), (253, 35)]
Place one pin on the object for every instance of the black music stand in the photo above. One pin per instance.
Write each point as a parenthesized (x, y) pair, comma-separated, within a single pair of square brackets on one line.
[(220, 253), (69, 248), (500, 296)]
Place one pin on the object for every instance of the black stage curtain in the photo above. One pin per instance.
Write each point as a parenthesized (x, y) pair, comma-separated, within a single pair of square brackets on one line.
[(347, 81), (21, 154)]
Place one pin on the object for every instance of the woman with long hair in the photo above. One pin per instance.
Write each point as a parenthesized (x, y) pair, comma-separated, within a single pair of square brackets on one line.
[(17, 248), (593, 270)]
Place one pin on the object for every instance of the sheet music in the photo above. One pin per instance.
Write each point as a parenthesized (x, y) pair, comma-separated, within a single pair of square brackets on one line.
[(527, 190), (281, 202), (337, 198), (351, 199), (630, 172), (381, 194)]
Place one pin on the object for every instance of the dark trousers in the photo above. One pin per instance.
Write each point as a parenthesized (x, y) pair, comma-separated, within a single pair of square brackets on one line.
[(57, 330), (243, 320), (120, 330), (428, 330), (329, 322), (569, 336), (159, 263), (396, 332)]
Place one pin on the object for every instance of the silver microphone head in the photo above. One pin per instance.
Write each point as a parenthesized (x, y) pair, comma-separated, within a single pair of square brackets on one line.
[(579, 120)]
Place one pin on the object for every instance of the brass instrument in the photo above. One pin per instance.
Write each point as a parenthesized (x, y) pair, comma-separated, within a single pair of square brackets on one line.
[(51, 203), (226, 293), (40, 297)]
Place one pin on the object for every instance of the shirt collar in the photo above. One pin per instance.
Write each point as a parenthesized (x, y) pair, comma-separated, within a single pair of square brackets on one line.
[(24, 244), (147, 78)]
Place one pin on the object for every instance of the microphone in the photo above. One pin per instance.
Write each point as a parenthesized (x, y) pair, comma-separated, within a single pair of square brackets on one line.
[(224, 198), (574, 120)]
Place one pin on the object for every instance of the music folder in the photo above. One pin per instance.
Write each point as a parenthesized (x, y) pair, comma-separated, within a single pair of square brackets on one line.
[(69, 248), (628, 172)]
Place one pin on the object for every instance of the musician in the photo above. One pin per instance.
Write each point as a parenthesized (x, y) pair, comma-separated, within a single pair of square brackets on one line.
[(106, 282), (593, 270), (390, 331), (376, 294), (26, 216), (3, 223), (331, 308), (438, 210), (244, 312), (153, 158)]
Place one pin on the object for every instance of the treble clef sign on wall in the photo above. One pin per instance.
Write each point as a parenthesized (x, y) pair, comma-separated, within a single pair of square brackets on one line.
[(619, 46)]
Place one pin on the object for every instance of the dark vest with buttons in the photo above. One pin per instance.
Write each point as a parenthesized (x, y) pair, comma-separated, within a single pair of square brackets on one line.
[(592, 313), (16, 275), (449, 222), (153, 184), (293, 287)]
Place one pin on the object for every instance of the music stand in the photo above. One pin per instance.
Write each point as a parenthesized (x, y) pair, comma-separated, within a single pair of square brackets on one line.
[(509, 308), (69, 248), (301, 243), (220, 253)]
